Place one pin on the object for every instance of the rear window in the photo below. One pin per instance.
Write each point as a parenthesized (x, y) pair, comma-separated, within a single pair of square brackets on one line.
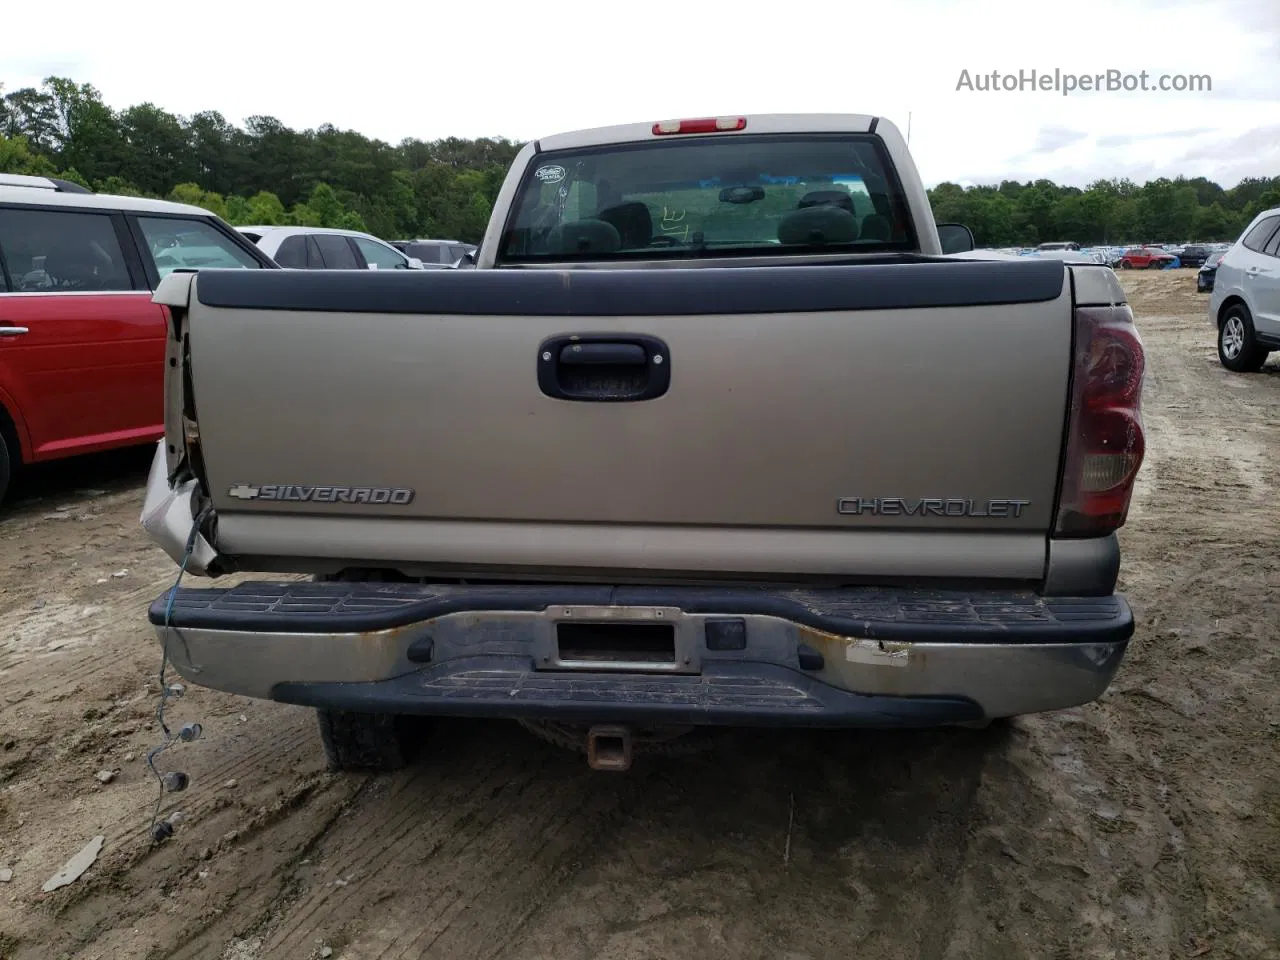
[(429, 252), (336, 251), (292, 252), (709, 196)]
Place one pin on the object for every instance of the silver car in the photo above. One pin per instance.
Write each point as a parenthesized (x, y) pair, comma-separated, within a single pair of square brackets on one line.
[(1245, 304)]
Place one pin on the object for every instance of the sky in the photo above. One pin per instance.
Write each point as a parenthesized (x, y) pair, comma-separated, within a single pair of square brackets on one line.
[(528, 69)]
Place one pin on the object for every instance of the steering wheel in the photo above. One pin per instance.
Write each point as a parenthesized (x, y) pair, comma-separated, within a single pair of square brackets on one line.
[(664, 240)]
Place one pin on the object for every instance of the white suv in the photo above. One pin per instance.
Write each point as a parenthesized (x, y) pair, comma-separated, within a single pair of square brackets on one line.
[(1245, 304), (328, 248)]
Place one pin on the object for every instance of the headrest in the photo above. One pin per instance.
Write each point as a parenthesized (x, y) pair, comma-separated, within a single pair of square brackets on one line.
[(73, 262), (584, 236), (633, 222), (816, 225), (836, 198)]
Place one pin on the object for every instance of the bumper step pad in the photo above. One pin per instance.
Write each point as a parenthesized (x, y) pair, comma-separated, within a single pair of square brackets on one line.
[(725, 693), (875, 613)]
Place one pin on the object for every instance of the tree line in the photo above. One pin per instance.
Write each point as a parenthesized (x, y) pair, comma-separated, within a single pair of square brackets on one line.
[(1106, 212), (267, 173), (262, 172)]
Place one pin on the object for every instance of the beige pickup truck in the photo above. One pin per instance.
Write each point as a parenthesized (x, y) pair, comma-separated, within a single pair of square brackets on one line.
[(712, 429)]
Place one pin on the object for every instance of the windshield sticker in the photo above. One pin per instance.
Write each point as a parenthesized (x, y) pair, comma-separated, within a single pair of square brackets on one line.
[(551, 174)]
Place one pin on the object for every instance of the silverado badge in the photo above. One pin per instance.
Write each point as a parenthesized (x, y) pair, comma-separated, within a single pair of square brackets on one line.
[(296, 493)]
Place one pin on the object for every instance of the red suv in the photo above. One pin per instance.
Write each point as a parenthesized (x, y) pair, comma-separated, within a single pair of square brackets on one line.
[(81, 344), (1146, 258)]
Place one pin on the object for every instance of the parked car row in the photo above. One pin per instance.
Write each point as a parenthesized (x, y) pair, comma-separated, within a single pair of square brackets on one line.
[(81, 343), (328, 248), (443, 252), (1146, 256)]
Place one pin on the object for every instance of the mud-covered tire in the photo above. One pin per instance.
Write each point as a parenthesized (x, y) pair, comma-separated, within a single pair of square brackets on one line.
[(369, 742), (1238, 347)]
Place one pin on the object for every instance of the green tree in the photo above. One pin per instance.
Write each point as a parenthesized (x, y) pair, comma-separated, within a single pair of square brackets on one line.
[(192, 193), (30, 113), (87, 131), (160, 151), (265, 209), (1214, 223), (118, 186), (1266, 201), (265, 172), (17, 157), (73, 175)]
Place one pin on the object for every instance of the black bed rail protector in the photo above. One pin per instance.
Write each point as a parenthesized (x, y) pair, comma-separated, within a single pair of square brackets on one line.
[(889, 614), (618, 293), (724, 693)]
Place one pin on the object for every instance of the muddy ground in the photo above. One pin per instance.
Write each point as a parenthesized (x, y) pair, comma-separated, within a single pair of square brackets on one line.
[(1145, 825)]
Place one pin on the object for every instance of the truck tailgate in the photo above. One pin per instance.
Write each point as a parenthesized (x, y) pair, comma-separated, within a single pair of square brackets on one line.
[(846, 419)]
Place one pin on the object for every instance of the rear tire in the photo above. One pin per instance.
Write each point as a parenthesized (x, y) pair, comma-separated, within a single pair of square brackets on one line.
[(1238, 347), (369, 742)]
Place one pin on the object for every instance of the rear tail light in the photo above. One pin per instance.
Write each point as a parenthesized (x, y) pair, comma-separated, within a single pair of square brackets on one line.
[(1105, 442), (700, 125)]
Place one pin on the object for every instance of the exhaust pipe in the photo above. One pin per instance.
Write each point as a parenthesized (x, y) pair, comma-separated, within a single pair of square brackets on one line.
[(609, 748)]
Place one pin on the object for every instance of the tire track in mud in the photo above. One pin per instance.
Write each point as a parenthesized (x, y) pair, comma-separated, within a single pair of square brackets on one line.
[(447, 861), (699, 861), (281, 778), (1179, 369)]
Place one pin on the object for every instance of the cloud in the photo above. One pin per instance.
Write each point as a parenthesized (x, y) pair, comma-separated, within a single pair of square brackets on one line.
[(1124, 139), (1052, 139), (1255, 153), (1028, 135), (1225, 159)]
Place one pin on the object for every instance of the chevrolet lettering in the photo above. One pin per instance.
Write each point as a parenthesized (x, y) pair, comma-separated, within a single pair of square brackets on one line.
[(929, 507), (296, 493)]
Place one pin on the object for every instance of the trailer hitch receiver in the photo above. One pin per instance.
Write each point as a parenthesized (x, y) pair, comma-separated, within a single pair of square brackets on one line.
[(609, 748)]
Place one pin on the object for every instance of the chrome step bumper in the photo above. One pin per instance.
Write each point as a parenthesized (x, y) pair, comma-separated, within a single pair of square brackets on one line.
[(738, 655)]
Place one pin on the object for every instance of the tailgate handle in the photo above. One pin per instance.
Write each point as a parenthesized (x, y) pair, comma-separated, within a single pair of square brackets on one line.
[(604, 368), (616, 353)]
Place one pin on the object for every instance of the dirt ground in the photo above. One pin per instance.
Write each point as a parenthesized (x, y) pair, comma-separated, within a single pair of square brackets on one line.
[(1145, 825)]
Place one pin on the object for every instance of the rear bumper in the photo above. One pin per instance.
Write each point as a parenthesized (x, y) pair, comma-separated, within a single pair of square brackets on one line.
[(753, 656)]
